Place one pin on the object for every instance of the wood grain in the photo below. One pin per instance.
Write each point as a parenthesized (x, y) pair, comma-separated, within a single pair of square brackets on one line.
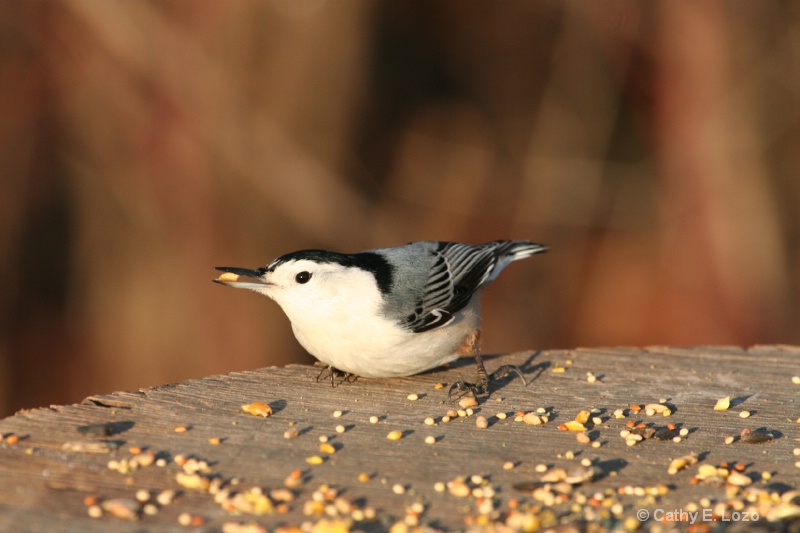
[(42, 486)]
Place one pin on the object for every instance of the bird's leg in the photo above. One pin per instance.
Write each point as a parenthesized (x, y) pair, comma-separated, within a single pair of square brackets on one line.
[(334, 373), (481, 385)]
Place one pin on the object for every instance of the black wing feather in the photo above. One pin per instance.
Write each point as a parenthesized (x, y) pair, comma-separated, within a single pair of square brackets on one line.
[(458, 272)]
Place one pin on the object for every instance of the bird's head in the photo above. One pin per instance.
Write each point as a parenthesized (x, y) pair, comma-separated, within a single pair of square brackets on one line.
[(309, 282)]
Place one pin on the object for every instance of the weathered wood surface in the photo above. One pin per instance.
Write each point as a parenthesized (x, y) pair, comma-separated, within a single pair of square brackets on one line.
[(43, 487)]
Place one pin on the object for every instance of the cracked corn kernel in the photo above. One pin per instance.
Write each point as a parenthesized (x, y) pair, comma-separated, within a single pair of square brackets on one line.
[(723, 404), (394, 435), (257, 409), (327, 448), (583, 416), (572, 425)]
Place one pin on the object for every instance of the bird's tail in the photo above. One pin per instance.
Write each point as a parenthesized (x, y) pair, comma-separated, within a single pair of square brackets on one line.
[(509, 251), (514, 250)]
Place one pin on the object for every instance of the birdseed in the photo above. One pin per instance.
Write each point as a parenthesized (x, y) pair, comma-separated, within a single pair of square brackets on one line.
[(327, 448), (257, 409), (468, 401), (723, 404)]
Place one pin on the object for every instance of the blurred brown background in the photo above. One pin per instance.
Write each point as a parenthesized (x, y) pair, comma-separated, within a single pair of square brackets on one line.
[(653, 145)]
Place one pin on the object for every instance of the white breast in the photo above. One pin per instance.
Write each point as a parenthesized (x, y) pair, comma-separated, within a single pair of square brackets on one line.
[(377, 349)]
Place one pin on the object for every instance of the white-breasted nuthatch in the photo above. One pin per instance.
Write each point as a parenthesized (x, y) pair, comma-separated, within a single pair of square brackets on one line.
[(387, 312)]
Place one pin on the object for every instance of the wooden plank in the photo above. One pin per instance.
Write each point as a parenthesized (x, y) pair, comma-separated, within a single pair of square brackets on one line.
[(42, 486)]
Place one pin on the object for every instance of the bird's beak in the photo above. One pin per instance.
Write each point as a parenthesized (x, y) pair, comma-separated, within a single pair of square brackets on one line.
[(242, 278)]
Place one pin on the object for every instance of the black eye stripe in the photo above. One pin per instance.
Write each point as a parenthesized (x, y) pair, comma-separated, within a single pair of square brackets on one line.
[(303, 277)]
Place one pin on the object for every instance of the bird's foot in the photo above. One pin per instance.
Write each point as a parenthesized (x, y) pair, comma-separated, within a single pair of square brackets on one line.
[(337, 376), (459, 389)]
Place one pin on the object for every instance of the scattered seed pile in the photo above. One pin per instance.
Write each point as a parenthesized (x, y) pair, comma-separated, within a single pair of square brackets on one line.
[(510, 462)]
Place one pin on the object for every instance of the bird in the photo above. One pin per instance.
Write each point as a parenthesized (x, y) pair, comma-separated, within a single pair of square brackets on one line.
[(388, 312)]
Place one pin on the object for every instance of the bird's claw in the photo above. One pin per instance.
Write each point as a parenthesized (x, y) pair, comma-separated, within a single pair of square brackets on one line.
[(505, 370), (459, 389), (346, 377)]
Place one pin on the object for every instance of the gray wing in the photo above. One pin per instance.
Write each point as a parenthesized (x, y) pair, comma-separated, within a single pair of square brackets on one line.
[(458, 271)]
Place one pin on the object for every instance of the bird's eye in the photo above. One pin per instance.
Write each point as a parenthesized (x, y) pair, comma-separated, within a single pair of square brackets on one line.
[(303, 277)]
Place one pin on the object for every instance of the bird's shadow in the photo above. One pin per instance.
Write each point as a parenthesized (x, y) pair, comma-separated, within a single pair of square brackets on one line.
[(528, 369)]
